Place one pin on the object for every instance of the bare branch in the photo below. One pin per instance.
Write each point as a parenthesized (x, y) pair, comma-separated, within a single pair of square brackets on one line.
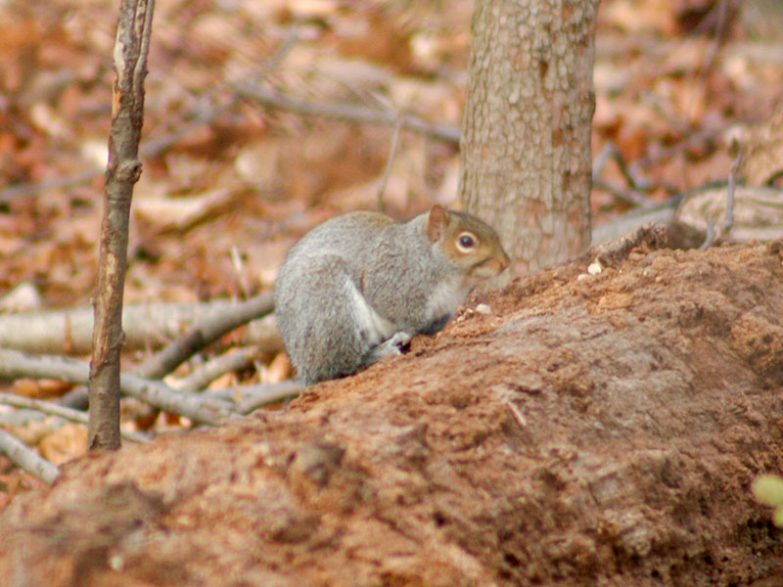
[(395, 141), (732, 187), (27, 459), (721, 16), (714, 233), (205, 374), (144, 326), (203, 334), (709, 239), (27, 190), (260, 395), (17, 401), (347, 113), (632, 195), (14, 365), (629, 196), (611, 152), (131, 47)]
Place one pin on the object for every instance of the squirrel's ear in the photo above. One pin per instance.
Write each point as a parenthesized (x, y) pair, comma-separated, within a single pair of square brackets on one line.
[(437, 223)]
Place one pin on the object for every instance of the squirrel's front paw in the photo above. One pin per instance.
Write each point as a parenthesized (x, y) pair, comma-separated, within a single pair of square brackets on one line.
[(390, 347), (399, 341)]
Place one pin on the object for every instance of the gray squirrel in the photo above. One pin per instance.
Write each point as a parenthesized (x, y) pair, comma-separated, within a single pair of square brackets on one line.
[(358, 287)]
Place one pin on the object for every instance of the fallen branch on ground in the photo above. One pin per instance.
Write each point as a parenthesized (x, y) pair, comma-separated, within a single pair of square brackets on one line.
[(257, 396), (17, 401), (27, 459), (145, 326), (14, 365), (203, 333), (205, 374), (660, 214)]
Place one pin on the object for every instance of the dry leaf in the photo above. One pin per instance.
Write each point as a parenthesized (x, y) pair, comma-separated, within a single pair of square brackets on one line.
[(64, 444), (184, 212), (763, 151), (278, 370)]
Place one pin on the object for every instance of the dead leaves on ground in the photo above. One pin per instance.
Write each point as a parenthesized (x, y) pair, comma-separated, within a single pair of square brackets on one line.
[(230, 186)]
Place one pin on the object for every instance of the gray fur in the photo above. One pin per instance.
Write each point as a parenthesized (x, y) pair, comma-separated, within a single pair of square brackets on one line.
[(392, 267)]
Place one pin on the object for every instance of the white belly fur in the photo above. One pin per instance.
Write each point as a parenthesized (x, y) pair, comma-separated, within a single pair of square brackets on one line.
[(446, 298), (367, 319)]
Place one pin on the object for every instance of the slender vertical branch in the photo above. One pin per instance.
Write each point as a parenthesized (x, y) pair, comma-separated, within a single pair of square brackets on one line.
[(124, 168)]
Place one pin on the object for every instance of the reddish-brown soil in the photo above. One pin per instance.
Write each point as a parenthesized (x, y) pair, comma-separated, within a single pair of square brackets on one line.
[(593, 430)]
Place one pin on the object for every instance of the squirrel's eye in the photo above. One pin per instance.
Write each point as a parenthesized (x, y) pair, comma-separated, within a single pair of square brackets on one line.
[(466, 242)]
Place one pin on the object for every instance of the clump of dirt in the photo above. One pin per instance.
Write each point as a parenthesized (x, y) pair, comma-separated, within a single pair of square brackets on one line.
[(593, 429)]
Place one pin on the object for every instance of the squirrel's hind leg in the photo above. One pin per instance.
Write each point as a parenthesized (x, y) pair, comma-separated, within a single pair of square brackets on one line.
[(316, 315), (329, 328)]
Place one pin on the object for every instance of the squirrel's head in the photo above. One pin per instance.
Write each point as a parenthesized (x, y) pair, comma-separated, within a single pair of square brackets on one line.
[(467, 242)]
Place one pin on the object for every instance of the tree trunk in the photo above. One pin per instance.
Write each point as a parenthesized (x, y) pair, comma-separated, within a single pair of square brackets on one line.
[(526, 159)]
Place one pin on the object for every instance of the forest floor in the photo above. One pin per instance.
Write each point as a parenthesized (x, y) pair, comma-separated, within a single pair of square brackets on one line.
[(231, 182)]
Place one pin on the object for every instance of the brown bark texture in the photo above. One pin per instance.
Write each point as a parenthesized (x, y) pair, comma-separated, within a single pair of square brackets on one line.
[(124, 168), (594, 429), (526, 157)]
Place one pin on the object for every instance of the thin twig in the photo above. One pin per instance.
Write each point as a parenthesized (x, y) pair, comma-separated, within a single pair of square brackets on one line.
[(691, 139), (239, 270), (389, 163), (518, 416), (611, 152), (729, 218), (600, 162), (346, 113), (18, 401), (632, 195), (713, 232), (629, 196), (711, 235), (27, 459), (722, 10)]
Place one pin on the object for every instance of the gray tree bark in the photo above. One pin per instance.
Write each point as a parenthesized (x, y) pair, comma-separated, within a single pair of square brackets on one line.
[(124, 168), (526, 159)]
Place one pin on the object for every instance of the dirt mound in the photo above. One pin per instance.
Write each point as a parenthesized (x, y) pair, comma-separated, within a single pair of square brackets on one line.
[(592, 430)]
